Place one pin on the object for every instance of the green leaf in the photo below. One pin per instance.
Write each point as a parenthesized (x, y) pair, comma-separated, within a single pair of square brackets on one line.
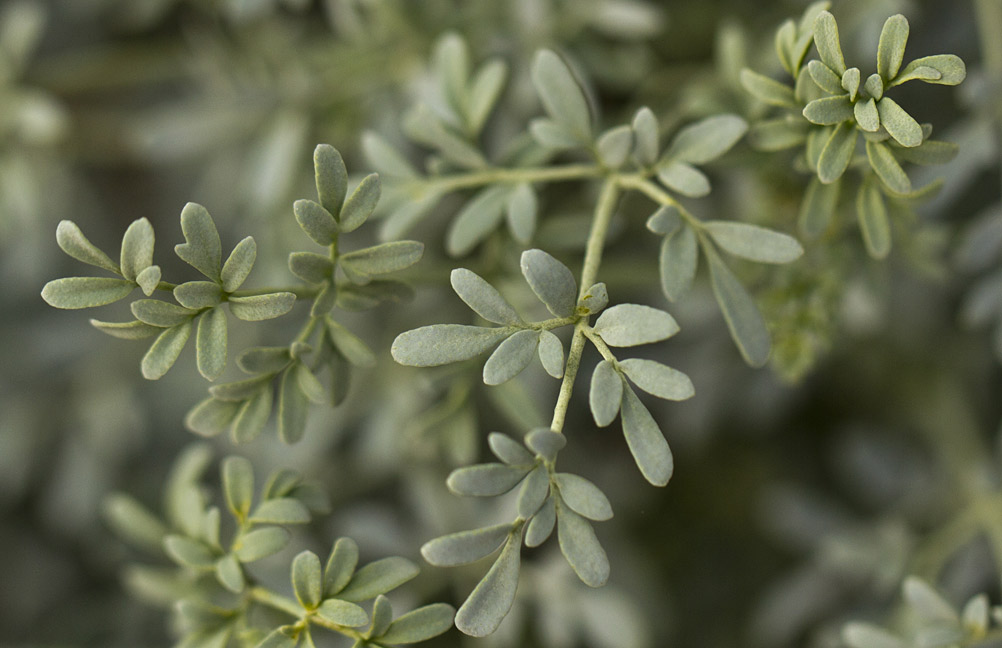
[(778, 134), (421, 124), (561, 94), (493, 596), (707, 139), (511, 357), (613, 146), (343, 613), (240, 390), (485, 480), (553, 135), (420, 624), (551, 281), (350, 345), (382, 616), (646, 132), (85, 292), (850, 82), (818, 207), (465, 546), (627, 325), (252, 417), (383, 258), (882, 161), (440, 344), (927, 603), (211, 342), (827, 41), (293, 408), (164, 351), (768, 90), (891, 48), (311, 267), (361, 203), (594, 299), (384, 158), (583, 497), (202, 249), (283, 637), (829, 110), (508, 450), (317, 222), (211, 416), (261, 543), (677, 262), (331, 178), (238, 485), (873, 221), (753, 242), (837, 153), (665, 221), (159, 313), (605, 394), (137, 248), (533, 492), (197, 294), (941, 69), (255, 308), (551, 354), (975, 616), (309, 384), (340, 566), (866, 115), (657, 379), (281, 510), (541, 525), (545, 442), (743, 318), (929, 152), (520, 212), (133, 521), (239, 264), (148, 279), (683, 178), (823, 76), (134, 330), (378, 578), (581, 548), (484, 91), (188, 552), (866, 635), (899, 124), (307, 579), (483, 298), (874, 87), (451, 63), (645, 440), (476, 220), (73, 242), (229, 573)]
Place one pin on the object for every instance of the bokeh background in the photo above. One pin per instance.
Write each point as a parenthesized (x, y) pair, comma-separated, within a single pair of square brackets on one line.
[(804, 492)]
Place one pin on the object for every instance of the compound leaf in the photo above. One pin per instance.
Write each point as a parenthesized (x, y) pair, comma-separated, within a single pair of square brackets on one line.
[(541, 525), (508, 450), (238, 485), (281, 510), (883, 162), (899, 124), (211, 416), (476, 220), (837, 152)]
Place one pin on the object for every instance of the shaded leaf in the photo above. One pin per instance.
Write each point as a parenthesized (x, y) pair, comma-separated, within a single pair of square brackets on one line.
[(164, 351), (485, 89), (683, 178), (829, 110), (254, 308), (866, 635), (899, 124), (134, 330), (493, 596), (645, 440), (340, 566), (198, 294), (211, 416), (311, 267), (261, 543), (605, 394), (317, 222), (743, 318), (583, 497), (383, 258), (534, 491), (646, 132), (229, 573), (476, 220), (614, 146), (420, 624), (361, 203), (241, 389), (211, 342), (677, 262), (753, 242), (873, 221), (541, 525), (707, 139), (350, 345), (239, 264), (307, 579), (767, 90), (508, 450), (331, 178), (511, 357), (777, 134), (137, 248), (837, 152), (133, 521), (293, 408), (251, 419), (545, 442), (485, 480), (823, 76), (281, 510), (238, 485), (551, 354), (561, 94), (188, 552), (581, 548), (378, 578), (551, 281), (867, 115), (384, 158), (520, 211), (818, 207), (343, 613), (882, 161)]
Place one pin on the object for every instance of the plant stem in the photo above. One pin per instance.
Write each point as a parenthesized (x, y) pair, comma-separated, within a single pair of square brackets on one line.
[(657, 194), (604, 210), (496, 175)]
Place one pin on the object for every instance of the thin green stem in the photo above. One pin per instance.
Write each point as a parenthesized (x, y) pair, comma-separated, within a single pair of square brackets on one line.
[(499, 175), (604, 210), (657, 194), (600, 344)]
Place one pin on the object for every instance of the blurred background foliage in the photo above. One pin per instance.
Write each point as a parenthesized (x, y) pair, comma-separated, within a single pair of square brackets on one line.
[(804, 492)]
